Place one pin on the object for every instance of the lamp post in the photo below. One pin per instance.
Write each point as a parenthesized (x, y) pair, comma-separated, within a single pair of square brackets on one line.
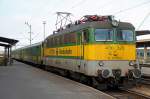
[(44, 22), (29, 25)]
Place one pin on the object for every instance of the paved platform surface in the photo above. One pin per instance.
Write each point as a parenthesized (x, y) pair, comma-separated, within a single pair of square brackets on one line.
[(21, 81)]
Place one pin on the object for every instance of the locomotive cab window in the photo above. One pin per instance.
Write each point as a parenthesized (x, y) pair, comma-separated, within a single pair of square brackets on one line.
[(124, 35), (103, 34)]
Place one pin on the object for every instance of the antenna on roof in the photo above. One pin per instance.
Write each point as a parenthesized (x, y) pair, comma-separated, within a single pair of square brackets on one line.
[(62, 19)]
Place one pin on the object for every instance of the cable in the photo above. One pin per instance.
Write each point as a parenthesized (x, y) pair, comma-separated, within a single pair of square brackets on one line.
[(106, 4), (138, 5), (147, 15), (77, 4), (35, 36)]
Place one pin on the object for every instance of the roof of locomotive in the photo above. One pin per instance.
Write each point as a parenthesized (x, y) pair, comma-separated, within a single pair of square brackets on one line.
[(93, 24)]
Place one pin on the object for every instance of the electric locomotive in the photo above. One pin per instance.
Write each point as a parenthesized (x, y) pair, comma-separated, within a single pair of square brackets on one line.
[(95, 49)]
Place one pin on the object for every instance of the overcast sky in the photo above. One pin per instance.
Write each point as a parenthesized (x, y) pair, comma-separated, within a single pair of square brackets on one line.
[(14, 13)]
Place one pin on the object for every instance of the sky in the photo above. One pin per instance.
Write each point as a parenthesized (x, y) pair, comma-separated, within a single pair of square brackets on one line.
[(14, 14)]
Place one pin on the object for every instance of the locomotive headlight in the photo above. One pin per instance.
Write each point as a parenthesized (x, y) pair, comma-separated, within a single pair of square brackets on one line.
[(101, 63), (132, 63)]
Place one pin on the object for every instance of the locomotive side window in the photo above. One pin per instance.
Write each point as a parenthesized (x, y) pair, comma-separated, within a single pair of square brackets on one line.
[(56, 41), (61, 40), (48, 42), (66, 37), (124, 35), (51, 42), (70, 38), (103, 34)]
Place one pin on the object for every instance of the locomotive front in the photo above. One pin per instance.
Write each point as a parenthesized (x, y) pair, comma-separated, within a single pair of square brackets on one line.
[(111, 51)]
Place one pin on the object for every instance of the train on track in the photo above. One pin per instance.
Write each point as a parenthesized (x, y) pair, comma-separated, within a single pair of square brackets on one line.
[(95, 49)]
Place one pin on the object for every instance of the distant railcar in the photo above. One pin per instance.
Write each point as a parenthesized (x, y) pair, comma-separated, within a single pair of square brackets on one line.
[(32, 54)]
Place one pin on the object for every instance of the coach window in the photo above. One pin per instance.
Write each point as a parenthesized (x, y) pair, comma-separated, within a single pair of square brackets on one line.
[(85, 36)]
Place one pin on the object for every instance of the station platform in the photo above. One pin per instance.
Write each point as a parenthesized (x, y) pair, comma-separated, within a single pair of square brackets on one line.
[(21, 81)]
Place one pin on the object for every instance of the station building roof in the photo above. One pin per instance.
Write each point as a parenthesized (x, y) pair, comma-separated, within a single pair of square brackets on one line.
[(144, 42), (7, 42), (142, 32)]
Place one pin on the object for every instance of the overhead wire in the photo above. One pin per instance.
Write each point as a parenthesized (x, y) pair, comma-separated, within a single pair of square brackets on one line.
[(35, 36), (106, 4), (145, 18), (130, 8), (77, 4)]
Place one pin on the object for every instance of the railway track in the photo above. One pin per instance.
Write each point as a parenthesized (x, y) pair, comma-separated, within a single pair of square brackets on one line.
[(126, 94), (137, 94), (145, 81)]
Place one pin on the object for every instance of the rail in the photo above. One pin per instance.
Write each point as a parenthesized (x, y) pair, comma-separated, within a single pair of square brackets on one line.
[(126, 94), (145, 81), (143, 96)]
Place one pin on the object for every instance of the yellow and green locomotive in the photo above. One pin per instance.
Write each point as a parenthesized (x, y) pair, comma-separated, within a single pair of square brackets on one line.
[(96, 49)]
